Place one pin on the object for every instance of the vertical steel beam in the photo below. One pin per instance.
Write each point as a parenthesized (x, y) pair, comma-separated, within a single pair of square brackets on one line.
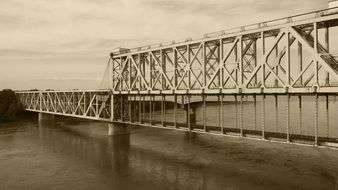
[(241, 67), (188, 112), (300, 115), (221, 52), (288, 118), (276, 107), (163, 68), (144, 106), (204, 73), (263, 116), (315, 31), (236, 61), (277, 55), (219, 110), (164, 111), (182, 101), (255, 58), (150, 71), (189, 67), (111, 62), (263, 54), (327, 39), (300, 62), (112, 106), (154, 108), (140, 69), (96, 106), (150, 108), (120, 82), (84, 104), (316, 120), (129, 107), (255, 111), (140, 109), (222, 129), (263, 42), (175, 69), (121, 107), (175, 110), (315, 36), (204, 112), (236, 112), (327, 117), (40, 101), (242, 120), (288, 66), (134, 109), (129, 74)]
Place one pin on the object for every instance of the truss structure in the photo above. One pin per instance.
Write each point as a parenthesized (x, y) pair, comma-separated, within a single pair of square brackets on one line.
[(289, 55), (84, 104)]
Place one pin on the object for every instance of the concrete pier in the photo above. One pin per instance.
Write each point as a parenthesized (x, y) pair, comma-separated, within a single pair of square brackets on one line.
[(118, 129), (46, 117)]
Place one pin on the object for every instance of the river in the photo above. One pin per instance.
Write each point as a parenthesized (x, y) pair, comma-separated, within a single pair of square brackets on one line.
[(78, 154)]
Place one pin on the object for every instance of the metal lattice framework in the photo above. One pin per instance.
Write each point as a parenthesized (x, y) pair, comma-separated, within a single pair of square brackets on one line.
[(280, 56), (84, 104), (290, 57)]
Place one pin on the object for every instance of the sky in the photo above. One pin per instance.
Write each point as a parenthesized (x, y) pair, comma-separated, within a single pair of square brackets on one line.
[(65, 44)]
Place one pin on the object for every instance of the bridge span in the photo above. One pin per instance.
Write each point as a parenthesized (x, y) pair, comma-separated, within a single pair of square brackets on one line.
[(282, 58)]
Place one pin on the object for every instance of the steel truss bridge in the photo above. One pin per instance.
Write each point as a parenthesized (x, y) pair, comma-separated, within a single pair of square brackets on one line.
[(284, 57)]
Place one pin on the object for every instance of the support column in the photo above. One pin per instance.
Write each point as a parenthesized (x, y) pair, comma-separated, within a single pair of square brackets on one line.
[(316, 120), (263, 116), (175, 110), (46, 117), (118, 129), (300, 116), (204, 113), (255, 111), (327, 117), (276, 107), (242, 120), (288, 118)]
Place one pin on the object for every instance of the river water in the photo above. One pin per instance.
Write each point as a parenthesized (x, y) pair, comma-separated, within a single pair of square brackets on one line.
[(78, 154)]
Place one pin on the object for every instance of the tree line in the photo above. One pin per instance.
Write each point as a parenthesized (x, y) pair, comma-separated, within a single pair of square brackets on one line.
[(10, 105)]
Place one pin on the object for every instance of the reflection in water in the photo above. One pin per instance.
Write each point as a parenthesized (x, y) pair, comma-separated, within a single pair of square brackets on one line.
[(80, 155), (109, 152), (152, 158)]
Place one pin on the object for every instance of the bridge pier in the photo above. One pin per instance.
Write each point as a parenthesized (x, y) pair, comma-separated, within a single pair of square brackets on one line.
[(191, 117), (46, 117), (118, 129)]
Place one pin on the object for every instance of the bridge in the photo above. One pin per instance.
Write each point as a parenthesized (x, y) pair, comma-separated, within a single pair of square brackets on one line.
[(283, 58)]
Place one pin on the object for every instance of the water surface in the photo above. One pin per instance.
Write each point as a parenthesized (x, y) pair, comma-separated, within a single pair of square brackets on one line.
[(75, 154)]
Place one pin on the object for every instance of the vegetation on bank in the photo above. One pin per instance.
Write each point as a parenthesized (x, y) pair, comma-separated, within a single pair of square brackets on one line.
[(10, 106)]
